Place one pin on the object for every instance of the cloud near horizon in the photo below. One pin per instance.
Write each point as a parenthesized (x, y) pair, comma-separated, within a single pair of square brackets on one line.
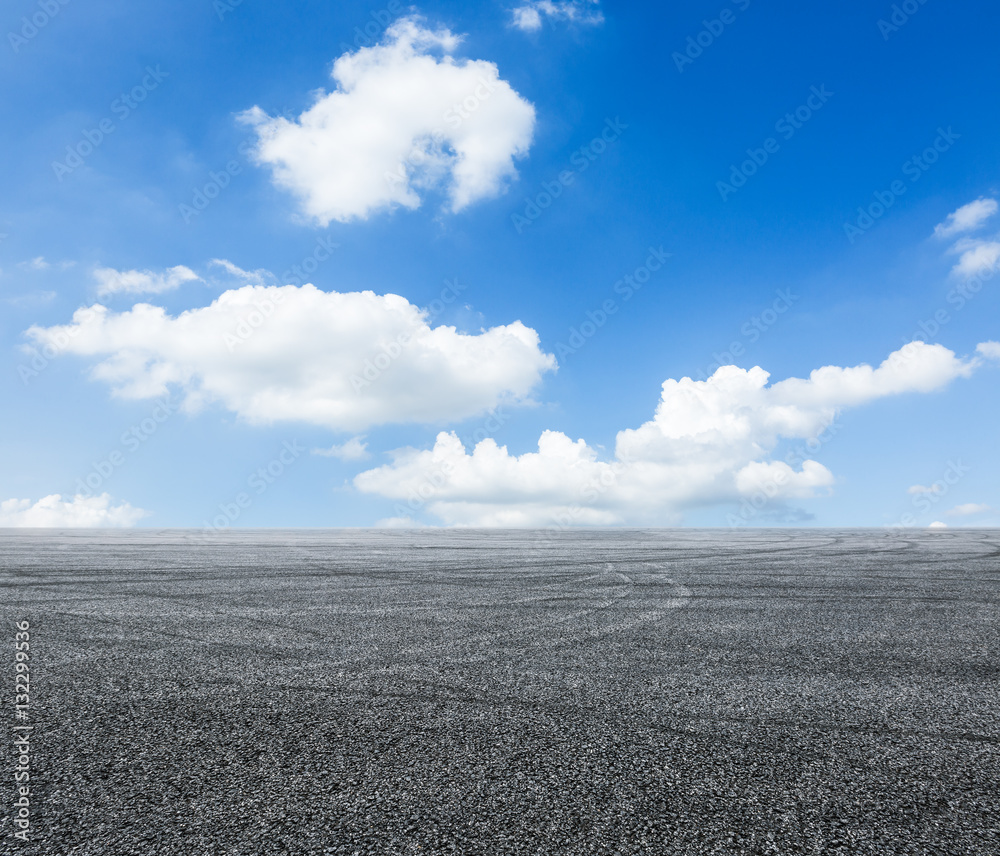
[(77, 512), (709, 442), (405, 118), (968, 509), (345, 361)]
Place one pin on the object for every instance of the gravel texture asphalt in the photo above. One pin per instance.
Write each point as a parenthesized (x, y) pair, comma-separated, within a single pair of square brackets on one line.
[(439, 692)]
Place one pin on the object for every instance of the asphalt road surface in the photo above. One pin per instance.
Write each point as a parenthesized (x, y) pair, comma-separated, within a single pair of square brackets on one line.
[(625, 692)]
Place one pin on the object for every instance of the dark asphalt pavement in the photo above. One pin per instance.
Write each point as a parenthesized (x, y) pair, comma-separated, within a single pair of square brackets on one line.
[(439, 692)]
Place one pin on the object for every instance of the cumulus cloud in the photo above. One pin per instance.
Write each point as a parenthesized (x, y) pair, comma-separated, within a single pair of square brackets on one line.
[(111, 281), (75, 512), (354, 449), (490, 487), (528, 16), (708, 442), (405, 117), (937, 524), (968, 509), (915, 489), (967, 218), (268, 353)]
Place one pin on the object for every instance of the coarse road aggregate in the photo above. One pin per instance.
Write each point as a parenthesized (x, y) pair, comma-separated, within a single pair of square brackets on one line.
[(673, 691)]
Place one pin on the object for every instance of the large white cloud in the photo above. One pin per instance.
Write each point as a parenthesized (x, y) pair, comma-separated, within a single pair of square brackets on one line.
[(97, 512), (709, 442), (406, 117), (345, 361)]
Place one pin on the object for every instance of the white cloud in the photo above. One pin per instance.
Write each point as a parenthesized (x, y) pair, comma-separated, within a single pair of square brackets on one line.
[(400, 523), (937, 524), (919, 488), (709, 442), (345, 361), (969, 508), (34, 298), (492, 488), (111, 281), (989, 350), (976, 256), (261, 276), (406, 117), (73, 513), (41, 263), (528, 16), (353, 450), (967, 218)]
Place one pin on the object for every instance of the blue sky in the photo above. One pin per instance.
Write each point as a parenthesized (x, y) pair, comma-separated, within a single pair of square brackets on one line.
[(117, 127)]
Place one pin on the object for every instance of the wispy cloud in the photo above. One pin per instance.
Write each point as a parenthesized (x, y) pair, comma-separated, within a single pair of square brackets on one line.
[(529, 16), (976, 255), (967, 218), (33, 298), (968, 509), (260, 276), (353, 450), (111, 281), (41, 263)]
